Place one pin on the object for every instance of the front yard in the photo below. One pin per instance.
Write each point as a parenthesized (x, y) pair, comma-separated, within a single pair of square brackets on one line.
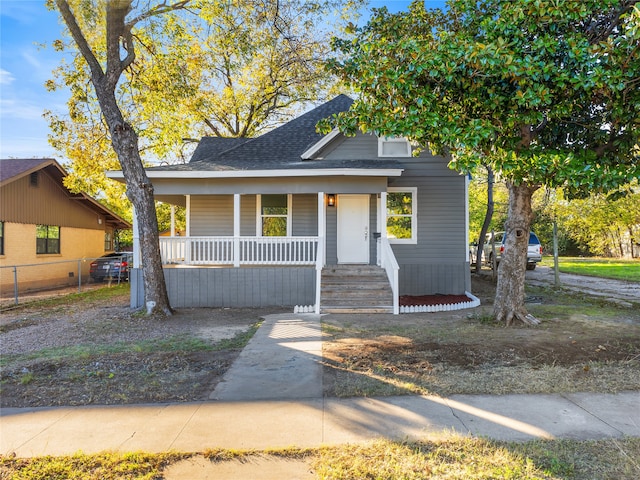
[(582, 345), (91, 349)]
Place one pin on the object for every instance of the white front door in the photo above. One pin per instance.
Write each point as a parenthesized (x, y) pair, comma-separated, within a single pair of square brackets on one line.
[(353, 229)]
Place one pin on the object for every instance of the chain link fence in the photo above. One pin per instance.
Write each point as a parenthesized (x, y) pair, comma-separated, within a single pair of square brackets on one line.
[(28, 282)]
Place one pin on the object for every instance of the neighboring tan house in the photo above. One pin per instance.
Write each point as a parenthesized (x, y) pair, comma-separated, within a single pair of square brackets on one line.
[(42, 222), (322, 222)]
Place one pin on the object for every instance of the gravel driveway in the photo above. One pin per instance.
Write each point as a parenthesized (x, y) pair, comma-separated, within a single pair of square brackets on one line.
[(618, 291)]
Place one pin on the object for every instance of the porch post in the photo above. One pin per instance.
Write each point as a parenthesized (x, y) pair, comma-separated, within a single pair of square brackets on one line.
[(187, 253), (383, 214), (320, 260), (188, 215), (136, 240), (236, 229), (322, 226), (173, 220)]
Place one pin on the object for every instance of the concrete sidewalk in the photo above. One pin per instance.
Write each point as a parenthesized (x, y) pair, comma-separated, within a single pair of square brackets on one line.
[(272, 397), (266, 424)]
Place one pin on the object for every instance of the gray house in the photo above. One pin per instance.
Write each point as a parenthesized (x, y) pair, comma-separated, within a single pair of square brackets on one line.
[(323, 223)]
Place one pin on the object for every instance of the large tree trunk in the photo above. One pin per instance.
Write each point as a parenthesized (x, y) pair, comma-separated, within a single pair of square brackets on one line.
[(140, 192), (509, 302), (124, 139)]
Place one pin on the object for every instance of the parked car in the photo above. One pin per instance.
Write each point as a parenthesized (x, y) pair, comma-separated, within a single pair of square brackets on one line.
[(534, 252), (113, 266)]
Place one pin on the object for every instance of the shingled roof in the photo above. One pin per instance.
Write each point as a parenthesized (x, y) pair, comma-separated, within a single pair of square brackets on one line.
[(14, 168), (279, 149)]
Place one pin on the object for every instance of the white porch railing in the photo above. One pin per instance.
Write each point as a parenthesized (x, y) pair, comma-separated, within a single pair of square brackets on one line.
[(239, 250), (390, 264)]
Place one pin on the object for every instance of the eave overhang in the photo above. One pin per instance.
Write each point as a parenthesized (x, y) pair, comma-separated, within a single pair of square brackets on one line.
[(316, 172)]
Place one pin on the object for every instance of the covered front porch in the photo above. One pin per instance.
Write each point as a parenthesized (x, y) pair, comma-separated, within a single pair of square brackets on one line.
[(258, 270)]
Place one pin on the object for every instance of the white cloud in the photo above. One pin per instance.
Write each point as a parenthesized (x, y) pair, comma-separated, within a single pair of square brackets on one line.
[(6, 78)]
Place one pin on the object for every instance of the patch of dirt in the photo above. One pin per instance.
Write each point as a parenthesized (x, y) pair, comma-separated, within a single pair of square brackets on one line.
[(117, 379), (102, 353), (580, 346)]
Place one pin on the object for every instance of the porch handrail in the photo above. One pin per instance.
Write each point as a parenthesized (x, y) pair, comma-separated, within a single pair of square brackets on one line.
[(319, 267), (390, 264), (230, 250)]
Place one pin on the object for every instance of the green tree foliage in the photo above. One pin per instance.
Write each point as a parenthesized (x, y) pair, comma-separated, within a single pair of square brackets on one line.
[(545, 92), (598, 224)]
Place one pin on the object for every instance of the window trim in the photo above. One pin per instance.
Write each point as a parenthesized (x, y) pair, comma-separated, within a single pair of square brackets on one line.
[(414, 215), (59, 239), (259, 215), (383, 140)]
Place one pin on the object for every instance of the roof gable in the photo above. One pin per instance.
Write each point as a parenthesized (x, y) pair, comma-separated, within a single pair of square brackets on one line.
[(13, 169)]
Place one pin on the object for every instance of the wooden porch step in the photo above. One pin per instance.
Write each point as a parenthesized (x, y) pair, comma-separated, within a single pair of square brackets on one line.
[(355, 289)]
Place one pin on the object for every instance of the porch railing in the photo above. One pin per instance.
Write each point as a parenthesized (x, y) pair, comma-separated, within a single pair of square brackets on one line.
[(390, 264), (239, 250)]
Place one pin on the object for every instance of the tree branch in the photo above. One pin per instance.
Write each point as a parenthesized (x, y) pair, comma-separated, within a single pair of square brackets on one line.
[(601, 28), (159, 9), (85, 50)]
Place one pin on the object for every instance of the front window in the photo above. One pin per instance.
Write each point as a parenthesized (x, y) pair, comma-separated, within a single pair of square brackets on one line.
[(274, 215), (108, 241), (401, 215), (47, 239)]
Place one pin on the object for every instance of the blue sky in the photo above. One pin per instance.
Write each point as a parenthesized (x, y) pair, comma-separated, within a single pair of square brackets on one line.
[(25, 65)]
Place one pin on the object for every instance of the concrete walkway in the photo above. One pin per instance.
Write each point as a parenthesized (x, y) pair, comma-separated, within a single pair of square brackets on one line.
[(272, 397)]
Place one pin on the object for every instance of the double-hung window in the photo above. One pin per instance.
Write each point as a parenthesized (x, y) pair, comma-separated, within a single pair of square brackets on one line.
[(274, 215), (47, 239), (402, 214)]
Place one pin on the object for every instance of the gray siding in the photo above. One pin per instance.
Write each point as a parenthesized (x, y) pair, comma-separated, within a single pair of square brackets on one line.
[(304, 216), (211, 215), (438, 263), (441, 221), (362, 146), (248, 215), (452, 278), (233, 287), (331, 257)]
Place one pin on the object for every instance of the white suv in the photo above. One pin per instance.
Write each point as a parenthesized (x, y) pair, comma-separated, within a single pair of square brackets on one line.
[(534, 252)]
